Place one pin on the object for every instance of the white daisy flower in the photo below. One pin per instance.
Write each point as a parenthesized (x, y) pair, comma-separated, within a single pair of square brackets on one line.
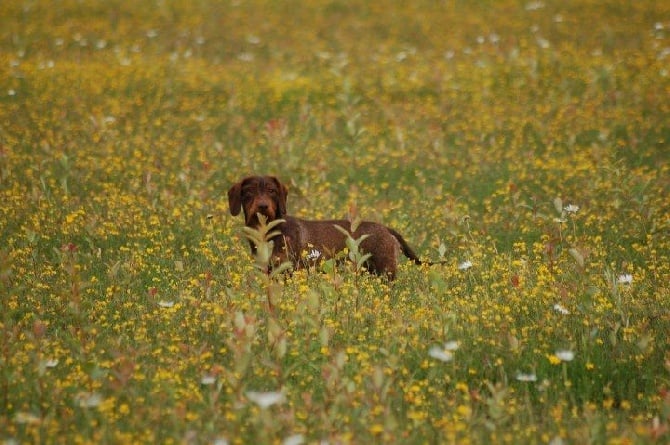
[(534, 6), (313, 255), (26, 418), (571, 208), (465, 265), (440, 354), (266, 399), (451, 345), (296, 439), (625, 278), (565, 355), (208, 380), (523, 377), (88, 399)]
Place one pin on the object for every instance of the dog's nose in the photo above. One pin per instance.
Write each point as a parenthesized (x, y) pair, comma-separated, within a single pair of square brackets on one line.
[(262, 207)]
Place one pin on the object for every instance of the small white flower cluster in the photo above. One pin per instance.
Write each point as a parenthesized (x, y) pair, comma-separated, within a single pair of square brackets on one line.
[(560, 309)]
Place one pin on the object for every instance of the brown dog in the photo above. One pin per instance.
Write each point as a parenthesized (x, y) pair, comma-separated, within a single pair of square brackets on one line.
[(267, 196)]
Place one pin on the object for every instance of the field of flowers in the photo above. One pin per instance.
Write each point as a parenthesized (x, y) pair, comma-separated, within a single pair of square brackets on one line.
[(524, 143)]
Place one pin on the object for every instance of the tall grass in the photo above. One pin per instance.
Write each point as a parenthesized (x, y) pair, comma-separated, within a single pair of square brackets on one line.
[(525, 144)]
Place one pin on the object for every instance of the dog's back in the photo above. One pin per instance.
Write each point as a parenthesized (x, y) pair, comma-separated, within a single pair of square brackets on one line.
[(303, 236)]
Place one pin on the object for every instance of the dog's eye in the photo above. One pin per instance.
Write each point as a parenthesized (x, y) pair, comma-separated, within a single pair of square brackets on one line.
[(272, 191)]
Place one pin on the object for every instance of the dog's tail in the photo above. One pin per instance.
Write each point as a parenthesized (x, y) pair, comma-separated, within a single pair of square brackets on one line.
[(408, 252)]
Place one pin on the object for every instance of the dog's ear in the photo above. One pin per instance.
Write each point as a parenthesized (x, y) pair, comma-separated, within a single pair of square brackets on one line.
[(235, 198), (282, 194)]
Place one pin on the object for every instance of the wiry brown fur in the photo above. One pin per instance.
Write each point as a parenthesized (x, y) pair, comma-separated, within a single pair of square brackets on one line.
[(267, 196)]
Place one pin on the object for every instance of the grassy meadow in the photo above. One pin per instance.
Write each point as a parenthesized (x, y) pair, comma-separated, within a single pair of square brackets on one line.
[(524, 143)]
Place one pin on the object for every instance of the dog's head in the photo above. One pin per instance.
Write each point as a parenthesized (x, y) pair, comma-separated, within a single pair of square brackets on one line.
[(258, 194)]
